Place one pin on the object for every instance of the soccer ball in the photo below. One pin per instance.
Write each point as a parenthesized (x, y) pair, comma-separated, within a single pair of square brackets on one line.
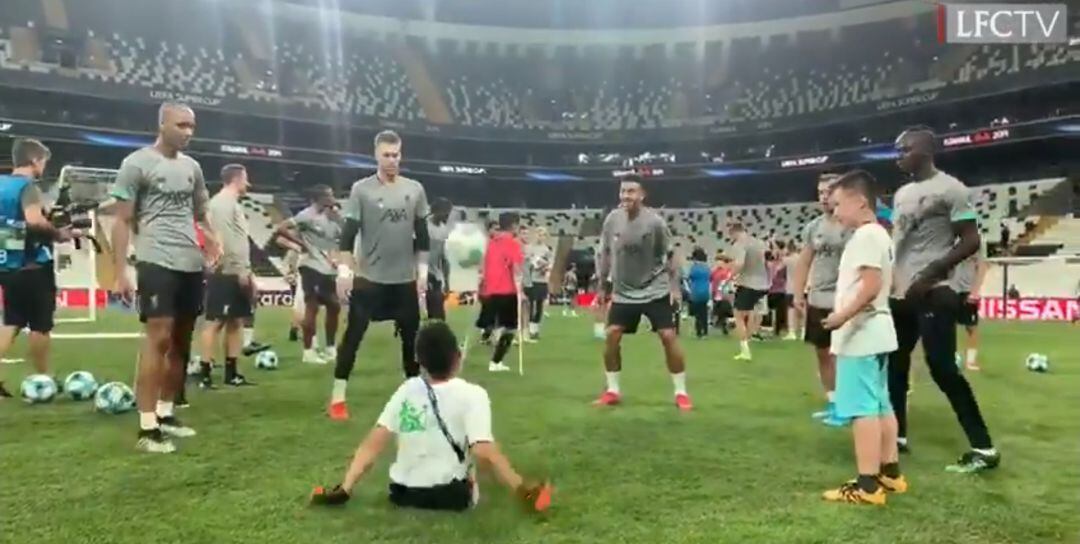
[(114, 398), (465, 245), (80, 385), (266, 360), (38, 388), (1037, 362)]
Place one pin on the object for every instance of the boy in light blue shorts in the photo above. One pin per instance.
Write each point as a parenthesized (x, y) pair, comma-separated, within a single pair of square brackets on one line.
[(862, 337)]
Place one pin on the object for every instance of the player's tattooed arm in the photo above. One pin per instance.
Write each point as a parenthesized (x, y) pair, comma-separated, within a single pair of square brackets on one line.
[(603, 265), (200, 201), (663, 249)]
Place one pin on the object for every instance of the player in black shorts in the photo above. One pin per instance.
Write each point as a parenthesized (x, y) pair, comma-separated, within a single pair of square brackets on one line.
[(439, 227), (389, 213), (159, 190), (751, 284), (633, 250), (230, 287), (27, 274)]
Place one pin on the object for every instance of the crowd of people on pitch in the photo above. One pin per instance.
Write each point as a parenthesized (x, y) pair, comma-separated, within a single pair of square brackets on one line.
[(866, 297)]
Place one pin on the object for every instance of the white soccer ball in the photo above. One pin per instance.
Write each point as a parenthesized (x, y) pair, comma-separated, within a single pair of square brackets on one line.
[(114, 398), (465, 245), (266, 360), (1037, 362), (38, 388), (80, 385)]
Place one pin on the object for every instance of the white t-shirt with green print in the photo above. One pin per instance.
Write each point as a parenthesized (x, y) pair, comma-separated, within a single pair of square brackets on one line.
[(424, 456)]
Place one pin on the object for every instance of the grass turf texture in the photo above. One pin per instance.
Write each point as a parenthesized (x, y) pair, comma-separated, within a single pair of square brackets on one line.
[(748, 465)]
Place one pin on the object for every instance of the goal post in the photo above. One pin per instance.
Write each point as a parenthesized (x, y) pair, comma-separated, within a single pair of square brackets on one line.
[(77, 264)]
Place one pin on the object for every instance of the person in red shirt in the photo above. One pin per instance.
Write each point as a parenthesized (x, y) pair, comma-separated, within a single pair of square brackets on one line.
[(721, 287), (502, 285)]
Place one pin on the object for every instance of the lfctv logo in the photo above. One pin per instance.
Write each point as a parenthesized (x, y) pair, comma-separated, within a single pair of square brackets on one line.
[(1002, 23)]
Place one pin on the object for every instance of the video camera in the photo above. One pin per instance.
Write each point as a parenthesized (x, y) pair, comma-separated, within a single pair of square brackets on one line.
[(74, 202)]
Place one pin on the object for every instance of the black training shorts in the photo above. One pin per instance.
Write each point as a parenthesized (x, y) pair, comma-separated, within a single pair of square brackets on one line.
[(226, 298), (318, 286), (746, 298), (385, 301), (503, 310), (816, 333), (164, 292), (627, 316), (30, 298)]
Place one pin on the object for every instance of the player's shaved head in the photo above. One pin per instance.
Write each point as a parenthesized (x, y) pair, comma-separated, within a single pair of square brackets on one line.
[(916, 147), (176, 127)]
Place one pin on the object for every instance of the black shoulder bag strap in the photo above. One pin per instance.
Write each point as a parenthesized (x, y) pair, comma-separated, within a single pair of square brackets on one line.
[(442, 424)]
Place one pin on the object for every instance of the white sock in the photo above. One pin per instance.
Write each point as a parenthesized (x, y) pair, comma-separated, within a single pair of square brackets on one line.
[(164, 409), (147, 421), (991, 452), (338, 393), (829, 395), (972, 354), (680, 382), (249, 335), (613, 381), (744, 346), (598, 328)]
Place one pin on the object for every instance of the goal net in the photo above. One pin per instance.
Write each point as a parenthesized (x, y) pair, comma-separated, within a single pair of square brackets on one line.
[(80, 293)]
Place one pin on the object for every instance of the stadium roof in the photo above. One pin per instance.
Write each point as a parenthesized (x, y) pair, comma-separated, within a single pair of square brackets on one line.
[(586, 14)]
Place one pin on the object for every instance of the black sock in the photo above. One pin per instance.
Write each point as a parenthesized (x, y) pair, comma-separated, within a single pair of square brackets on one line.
[(205, 367), (867, 483), (230, 368), (294, 333), (891, 470), (502, 347)]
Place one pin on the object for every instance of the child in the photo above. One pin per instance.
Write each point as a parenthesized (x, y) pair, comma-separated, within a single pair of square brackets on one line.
[(441, 423), (862, 337), (700, 291)]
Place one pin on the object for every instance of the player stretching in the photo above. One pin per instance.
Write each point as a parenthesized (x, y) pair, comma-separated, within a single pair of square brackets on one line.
[(823, 242), (318, 229), (934, 229), (503, 285), (389, 213), (863, 336), (230, 288), (634, 244), (158, 190), (751, 284), (967, 281), (27, 274), (443, 427)]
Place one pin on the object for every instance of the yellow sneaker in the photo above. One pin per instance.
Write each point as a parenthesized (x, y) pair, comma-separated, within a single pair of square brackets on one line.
[(851, 494), (896, 485)]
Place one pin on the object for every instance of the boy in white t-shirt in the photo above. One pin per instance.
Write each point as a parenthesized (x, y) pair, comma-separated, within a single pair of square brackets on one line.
[(442, 424), (862, 337)]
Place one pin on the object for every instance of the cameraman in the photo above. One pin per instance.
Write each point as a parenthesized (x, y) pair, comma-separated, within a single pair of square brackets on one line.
[(27, 274)]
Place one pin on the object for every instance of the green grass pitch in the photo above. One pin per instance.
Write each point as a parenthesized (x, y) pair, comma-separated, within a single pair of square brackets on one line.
[(748, 465)]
